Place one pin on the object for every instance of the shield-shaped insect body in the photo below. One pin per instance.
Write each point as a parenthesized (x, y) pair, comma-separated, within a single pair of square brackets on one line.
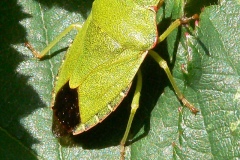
[(112, 42), (102, 61)]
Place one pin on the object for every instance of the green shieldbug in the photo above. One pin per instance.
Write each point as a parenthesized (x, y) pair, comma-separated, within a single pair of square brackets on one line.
[(102, 61)]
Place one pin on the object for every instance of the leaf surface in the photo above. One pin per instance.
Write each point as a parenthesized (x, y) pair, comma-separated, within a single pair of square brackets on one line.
[(210, 55)]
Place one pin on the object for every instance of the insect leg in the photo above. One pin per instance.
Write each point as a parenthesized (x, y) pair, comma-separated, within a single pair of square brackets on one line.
[(54, 42), (174, 25), (163, 64), (134, 107)]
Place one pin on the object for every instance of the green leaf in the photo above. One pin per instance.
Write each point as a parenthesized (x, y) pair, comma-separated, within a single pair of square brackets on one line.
[(211, 58), (211, 82)]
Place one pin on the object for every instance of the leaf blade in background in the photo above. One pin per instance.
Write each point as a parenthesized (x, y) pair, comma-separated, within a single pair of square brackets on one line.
[(211, 84)]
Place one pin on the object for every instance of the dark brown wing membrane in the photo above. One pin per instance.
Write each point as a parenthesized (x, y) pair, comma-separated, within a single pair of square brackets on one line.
[(66, 110)]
